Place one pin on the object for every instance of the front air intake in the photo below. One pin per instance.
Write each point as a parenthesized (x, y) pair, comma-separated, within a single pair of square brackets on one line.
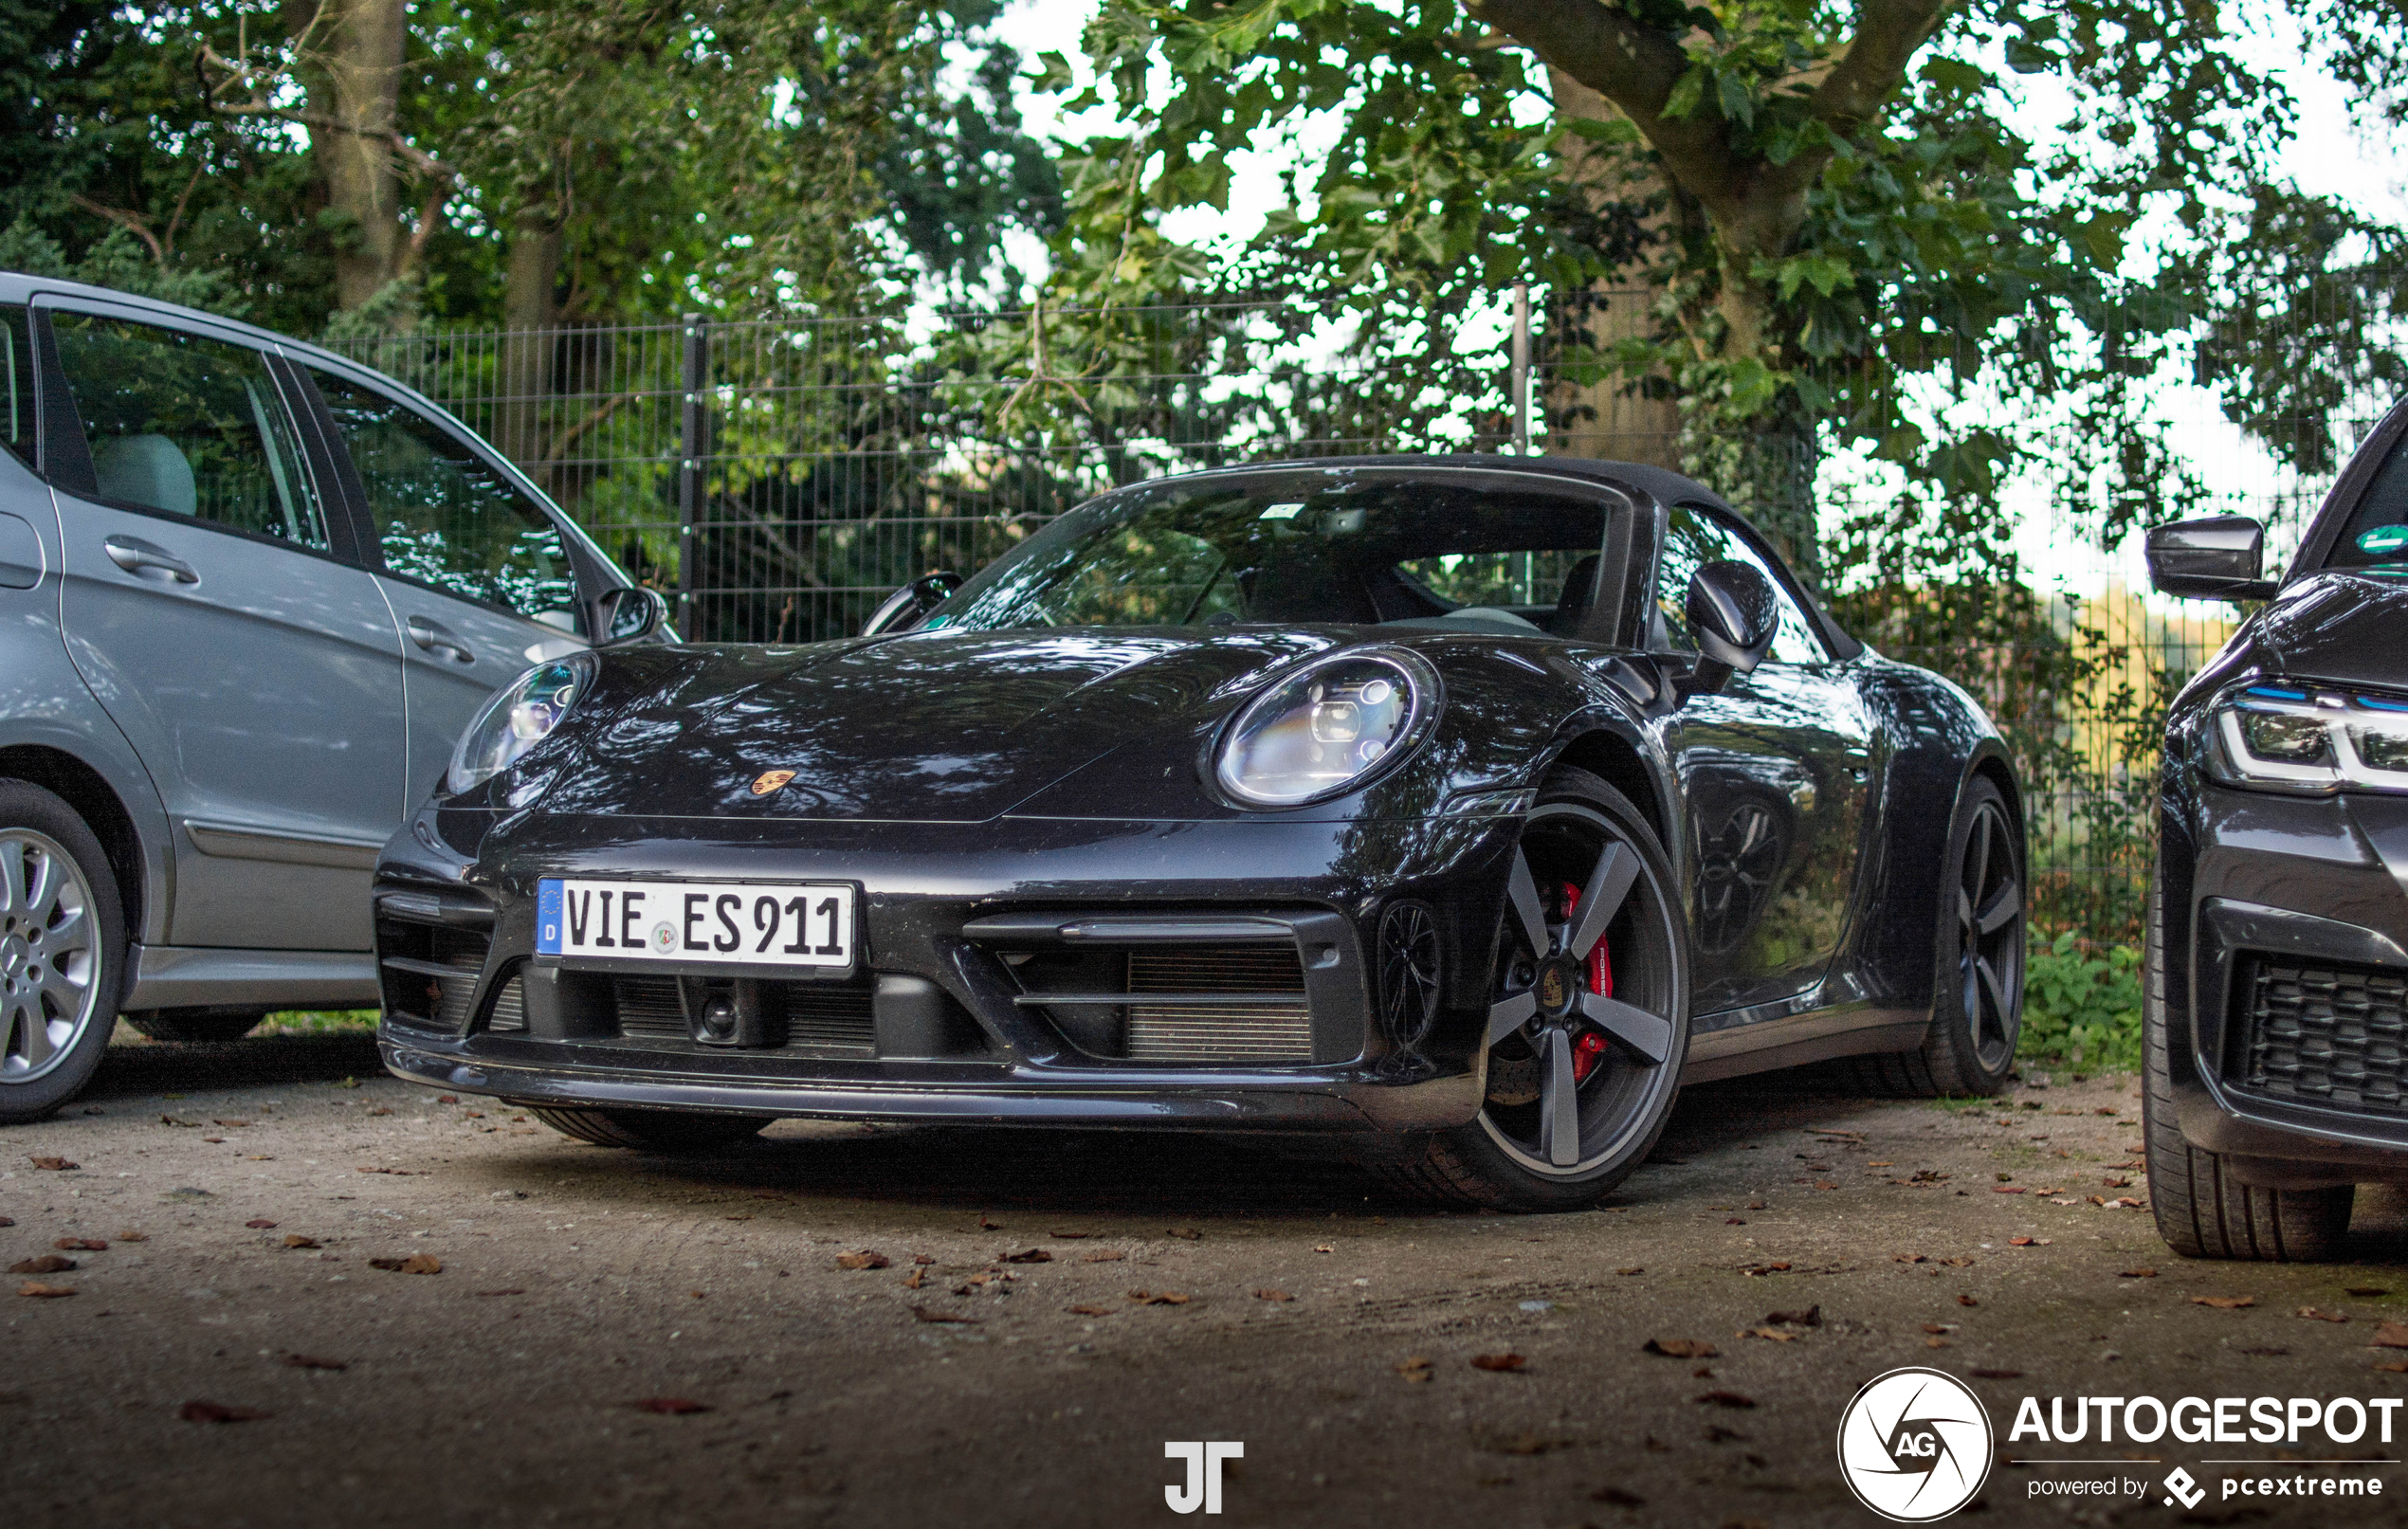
[(2335, 1036), (1278, 1030)]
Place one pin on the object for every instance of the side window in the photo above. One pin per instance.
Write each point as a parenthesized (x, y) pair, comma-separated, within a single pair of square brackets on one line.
[(1694, 538), (443, 517), (187, 424), (16, 383)]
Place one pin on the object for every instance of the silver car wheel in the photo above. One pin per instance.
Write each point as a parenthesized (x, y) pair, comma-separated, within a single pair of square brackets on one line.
[(50, 954)]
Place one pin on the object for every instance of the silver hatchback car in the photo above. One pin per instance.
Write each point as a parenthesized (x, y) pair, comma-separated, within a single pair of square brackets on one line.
[(250, 593)]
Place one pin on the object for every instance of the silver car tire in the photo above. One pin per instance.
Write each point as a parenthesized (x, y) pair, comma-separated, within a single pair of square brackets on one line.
[(63, 950)]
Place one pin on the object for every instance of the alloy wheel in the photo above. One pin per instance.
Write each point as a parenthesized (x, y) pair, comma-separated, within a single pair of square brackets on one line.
[(49, 954), (1581, 1049), (1990, 935)]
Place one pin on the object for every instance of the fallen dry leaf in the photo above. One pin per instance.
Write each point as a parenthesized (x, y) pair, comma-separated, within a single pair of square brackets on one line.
[(260, 1224), (311, 1361), (1157, 1297), (1727, 1398), (2029, 1242), (44, 1292), (989, 1224), (1810, 1316), (1775, 1334), (2137, 1274), (2395, 1367), (918, 1277), (1635, 1268), (414, 1264), (923, 1314), (1092, 1311), (398, 1173), (669, 1405), (1935, 1342), (122, 1236), (1185, 1234), (1273, 1295), (219, 1412), (1416, 1368), (2313, 1315), (45, 1263), (2366, 1290), (293, 1239), (381, 1109), (923, 1258), (1680, 1347), (2006, 1189), (2224, 1302), (863, 1259), (1325, 1248), (1967, 1300), (1034, 1255), (1069, 1236), (55, 1165), (2390, 1336), (1499, 1362)]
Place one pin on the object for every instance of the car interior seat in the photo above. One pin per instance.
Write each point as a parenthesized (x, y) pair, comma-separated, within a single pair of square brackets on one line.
[(1579, 594), (148, 470)]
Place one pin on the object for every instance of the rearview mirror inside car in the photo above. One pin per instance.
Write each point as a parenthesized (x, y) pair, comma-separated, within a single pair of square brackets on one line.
[(1732, 613), (630, 614), (913, 601), (2220, 558)]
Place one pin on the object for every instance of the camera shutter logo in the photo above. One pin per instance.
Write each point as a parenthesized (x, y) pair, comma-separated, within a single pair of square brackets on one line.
[(1915, 1444)]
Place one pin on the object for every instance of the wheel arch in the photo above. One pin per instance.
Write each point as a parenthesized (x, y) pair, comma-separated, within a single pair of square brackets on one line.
[(88, 792), (1616, 760)]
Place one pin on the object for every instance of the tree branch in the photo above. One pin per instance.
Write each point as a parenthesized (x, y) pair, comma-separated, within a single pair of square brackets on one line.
[(132, 222), (1862, 80)]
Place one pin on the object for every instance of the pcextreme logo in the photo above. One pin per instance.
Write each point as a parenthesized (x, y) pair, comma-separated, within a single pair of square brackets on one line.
[(1204, 1458), (1914, 1444)]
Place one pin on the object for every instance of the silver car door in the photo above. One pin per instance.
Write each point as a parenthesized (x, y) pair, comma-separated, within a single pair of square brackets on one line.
[(478, 574), (257, 673)]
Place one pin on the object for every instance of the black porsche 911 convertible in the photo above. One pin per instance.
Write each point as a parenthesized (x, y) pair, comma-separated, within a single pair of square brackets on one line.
[(1453, 808)]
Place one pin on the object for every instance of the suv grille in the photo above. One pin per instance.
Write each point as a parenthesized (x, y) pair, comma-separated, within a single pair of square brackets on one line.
[(2331, 1035)]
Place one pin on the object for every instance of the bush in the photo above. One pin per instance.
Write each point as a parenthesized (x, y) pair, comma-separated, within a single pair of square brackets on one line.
[(2081, 1008)]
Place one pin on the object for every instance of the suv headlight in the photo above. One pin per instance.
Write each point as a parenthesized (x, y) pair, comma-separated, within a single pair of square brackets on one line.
[(520, 715), (1327, 728), (2309, 741)]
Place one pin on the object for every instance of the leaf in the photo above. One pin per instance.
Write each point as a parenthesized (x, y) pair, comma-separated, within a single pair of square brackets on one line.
[(669, 1405), (54, 1165), (2224, 1302), (45, 1263), (2006, 1189), (1417, 1369), (414, 1264), (1498, 1363), (1967, 1300), (1616, 131), (1680, 1347), (1157, 1297), (260, 1224), (1775, 1334), (2313, 1315), (863, 1258), (1810, 1316), (2137, 1274), (310, 1361), (1727, 1398), (1105, 1257), (1092, 1311), (2390, 1335), (924, 1315), (81, 1245), (1034, 1255), (219, 1412), (293, 1239), (1185, 1234), (1273, 1295), (39, 1291)]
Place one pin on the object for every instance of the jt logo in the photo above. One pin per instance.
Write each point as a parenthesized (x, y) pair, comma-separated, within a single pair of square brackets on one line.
[(1203, 1473)]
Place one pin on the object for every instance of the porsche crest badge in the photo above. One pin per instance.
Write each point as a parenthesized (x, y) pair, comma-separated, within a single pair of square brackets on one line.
[(771, 780)]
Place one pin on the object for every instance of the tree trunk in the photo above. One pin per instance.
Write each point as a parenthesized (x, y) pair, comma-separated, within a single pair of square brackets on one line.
[(352, 71), (531, 317), (1611, 420)]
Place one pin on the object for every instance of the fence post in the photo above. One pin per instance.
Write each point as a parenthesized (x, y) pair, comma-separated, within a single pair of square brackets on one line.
[(696, 377), (1521, 369)]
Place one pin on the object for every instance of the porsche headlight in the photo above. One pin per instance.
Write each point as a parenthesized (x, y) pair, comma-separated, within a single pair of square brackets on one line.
[(1327, 728), (520, 715), (2311, 742)]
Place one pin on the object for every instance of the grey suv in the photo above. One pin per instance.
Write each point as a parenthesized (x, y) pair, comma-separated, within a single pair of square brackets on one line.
[(249, 595)]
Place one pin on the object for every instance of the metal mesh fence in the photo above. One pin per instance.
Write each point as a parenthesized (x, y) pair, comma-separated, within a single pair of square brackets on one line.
[(779, 479)]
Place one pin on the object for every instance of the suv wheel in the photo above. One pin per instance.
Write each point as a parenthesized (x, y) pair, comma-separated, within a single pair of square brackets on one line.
[(61, 952)]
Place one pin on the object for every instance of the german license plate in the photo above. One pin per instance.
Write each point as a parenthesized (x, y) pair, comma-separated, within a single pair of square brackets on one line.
[(733, 924)]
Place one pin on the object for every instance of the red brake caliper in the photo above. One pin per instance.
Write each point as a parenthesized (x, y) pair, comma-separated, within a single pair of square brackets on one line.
[(1588, 1049)]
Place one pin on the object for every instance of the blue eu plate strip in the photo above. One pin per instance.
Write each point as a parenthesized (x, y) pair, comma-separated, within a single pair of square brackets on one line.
[(547, 916)]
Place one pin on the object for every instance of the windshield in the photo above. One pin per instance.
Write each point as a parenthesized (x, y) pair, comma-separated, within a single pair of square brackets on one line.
[(2377, 534), (1298, 548)]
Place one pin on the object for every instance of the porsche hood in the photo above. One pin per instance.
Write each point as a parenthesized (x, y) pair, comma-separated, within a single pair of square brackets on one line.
[(927, 727)]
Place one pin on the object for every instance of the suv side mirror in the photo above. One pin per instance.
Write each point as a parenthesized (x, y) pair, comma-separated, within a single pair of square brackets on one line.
[(1733, 614), (2216, 558), (630, 614), (913, 601)]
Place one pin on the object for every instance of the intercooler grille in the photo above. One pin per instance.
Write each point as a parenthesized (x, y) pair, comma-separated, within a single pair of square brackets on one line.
[(509, 1014), (1196, 1032), (819, 1017), (2327, 1034)]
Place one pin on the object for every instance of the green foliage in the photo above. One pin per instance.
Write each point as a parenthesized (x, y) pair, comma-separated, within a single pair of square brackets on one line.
[(2082, 1006)]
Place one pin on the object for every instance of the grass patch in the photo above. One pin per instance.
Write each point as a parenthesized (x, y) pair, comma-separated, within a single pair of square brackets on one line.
[(315, 1022)]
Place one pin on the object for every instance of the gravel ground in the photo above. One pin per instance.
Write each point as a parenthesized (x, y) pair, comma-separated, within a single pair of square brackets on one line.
[(1046, 1310)]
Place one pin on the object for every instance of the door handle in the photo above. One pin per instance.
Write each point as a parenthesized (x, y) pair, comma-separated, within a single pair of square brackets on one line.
[(141, 558), (433, 637)]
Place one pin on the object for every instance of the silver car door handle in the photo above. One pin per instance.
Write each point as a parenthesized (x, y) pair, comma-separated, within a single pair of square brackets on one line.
[(139, 557), (433, 637)]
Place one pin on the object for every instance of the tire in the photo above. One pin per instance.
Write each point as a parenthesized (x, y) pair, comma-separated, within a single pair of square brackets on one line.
[(650, 1129), (2202, 1210), (196, 1026), (1976, 984), (1516, 1155), (61, 952)]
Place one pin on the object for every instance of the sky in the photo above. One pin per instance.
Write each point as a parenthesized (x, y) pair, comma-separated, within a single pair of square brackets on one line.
[(2328, 155)]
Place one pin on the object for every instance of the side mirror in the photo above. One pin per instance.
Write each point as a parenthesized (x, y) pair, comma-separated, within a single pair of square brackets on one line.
[(2220, 557), (630, 614), (913, 601), (1733, 614)]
